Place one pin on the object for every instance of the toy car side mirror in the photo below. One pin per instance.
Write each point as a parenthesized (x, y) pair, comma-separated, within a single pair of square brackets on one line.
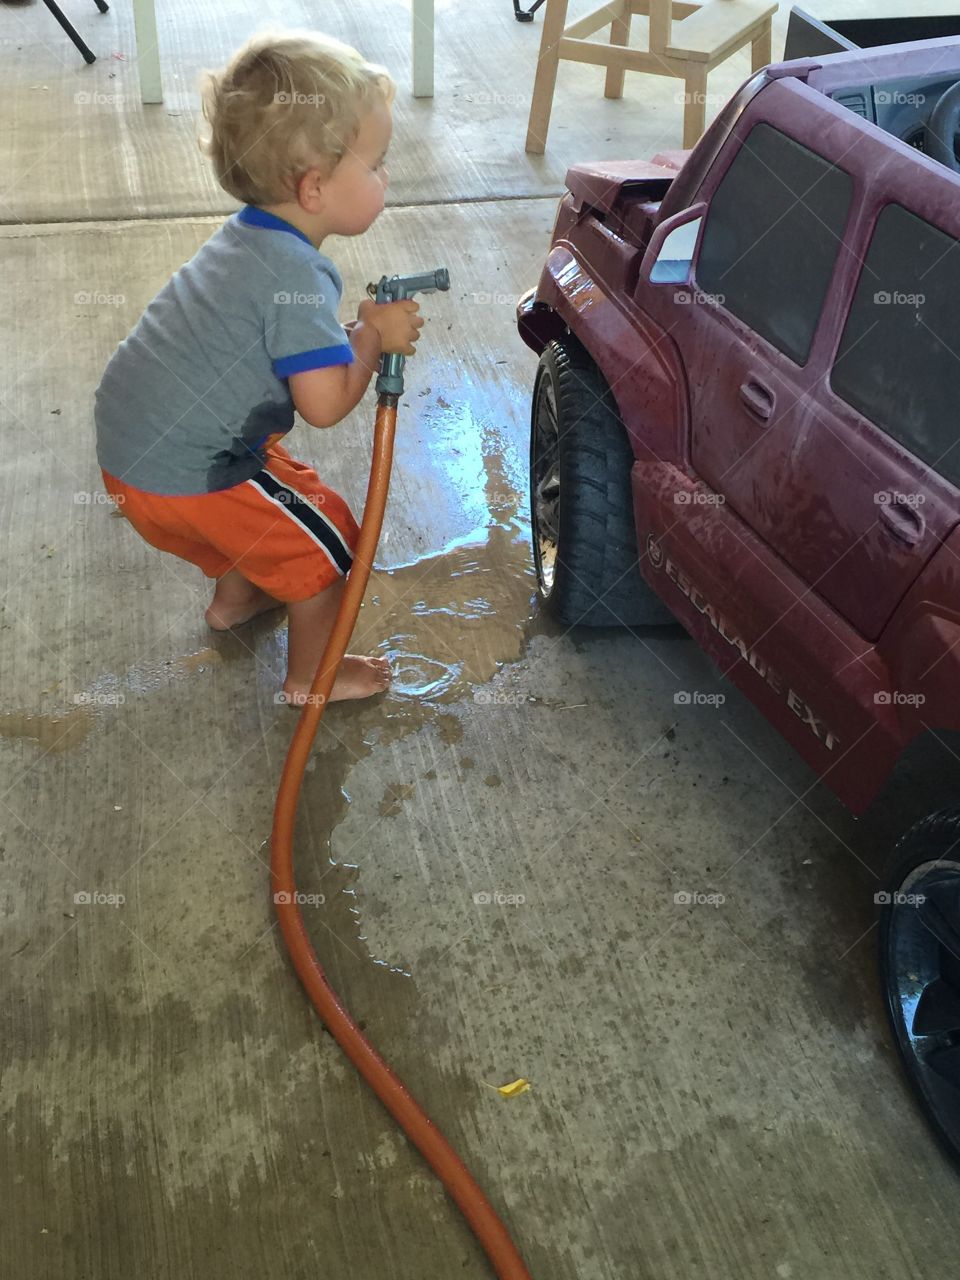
[(668, 258)]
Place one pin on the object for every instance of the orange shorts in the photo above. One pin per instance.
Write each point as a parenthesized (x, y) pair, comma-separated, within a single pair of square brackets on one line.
[(284, 529)]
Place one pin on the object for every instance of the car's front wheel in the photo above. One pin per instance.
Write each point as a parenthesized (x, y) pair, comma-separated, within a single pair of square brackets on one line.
[(584, 537), (920, 966)]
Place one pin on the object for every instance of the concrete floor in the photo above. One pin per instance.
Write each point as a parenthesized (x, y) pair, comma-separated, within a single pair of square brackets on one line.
[(713, 1091)]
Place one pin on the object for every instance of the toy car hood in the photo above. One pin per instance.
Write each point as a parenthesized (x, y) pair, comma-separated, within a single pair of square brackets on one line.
[(599, 184)]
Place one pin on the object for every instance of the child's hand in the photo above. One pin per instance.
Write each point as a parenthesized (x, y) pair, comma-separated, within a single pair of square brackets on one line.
[(397, 323)]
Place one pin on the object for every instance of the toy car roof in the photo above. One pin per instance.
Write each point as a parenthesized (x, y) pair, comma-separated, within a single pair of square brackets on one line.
[(940, 57)]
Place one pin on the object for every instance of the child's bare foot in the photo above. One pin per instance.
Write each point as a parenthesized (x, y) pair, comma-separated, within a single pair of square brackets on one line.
[(357, 677), (224, 614)]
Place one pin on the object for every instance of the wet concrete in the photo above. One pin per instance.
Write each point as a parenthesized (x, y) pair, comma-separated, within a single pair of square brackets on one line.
[(525, 861), (491, 856)]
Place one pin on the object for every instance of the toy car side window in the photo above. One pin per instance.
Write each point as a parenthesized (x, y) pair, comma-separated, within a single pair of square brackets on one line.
[(898, 362), (774, 228)]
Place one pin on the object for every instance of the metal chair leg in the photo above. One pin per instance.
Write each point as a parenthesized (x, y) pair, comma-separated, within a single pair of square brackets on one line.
[(85, 50)]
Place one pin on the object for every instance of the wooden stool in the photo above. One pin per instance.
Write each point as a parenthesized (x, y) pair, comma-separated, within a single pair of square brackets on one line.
[(704, 35)]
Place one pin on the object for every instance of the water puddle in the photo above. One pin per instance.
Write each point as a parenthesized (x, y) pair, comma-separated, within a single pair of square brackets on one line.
[(54, 733), (448, 620)]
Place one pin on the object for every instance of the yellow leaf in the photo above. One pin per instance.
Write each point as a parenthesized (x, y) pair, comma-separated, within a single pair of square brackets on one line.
[(516, 1087)]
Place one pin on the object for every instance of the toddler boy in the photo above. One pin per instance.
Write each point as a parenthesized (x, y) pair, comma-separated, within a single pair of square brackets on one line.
[(194, 402)]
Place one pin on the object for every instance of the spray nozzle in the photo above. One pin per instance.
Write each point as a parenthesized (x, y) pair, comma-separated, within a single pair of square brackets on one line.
[(396, 289)]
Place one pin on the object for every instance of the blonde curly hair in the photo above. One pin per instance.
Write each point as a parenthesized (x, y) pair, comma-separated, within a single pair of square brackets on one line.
[(286, 102)]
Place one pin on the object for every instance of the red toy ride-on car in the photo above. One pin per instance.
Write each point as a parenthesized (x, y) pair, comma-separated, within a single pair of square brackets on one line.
[(746, 416)]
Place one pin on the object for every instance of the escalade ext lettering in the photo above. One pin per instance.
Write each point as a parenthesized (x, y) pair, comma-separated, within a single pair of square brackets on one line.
[(722, 626)]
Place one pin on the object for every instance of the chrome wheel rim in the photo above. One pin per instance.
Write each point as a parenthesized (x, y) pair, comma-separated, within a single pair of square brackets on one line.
[(545, 483), (923, 984)]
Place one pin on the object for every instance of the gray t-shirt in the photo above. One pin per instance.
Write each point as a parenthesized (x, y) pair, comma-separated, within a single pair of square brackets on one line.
[(188, 399)]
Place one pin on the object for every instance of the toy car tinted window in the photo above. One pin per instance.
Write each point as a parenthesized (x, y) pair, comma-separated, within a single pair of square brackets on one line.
[(773, 232), (899, 357)]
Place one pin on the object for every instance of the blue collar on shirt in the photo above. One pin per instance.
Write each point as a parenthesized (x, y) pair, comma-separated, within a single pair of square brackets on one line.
[(255, 217)]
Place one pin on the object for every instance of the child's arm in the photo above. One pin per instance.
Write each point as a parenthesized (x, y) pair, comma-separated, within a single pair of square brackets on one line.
[(324, 397)]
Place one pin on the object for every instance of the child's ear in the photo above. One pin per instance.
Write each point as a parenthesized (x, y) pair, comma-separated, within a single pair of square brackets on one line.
[(311, 190)]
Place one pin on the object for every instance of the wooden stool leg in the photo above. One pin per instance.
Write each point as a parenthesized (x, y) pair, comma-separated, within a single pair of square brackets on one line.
[(695, 103), (541, 104), (762, 47), (619, 34), (148, 54), (422, 40)]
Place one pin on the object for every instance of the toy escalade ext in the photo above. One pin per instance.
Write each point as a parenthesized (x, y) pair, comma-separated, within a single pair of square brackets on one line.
[(746, 416)]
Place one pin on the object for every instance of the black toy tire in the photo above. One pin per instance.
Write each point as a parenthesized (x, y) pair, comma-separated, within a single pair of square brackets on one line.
[(920, 967), (581, 504)]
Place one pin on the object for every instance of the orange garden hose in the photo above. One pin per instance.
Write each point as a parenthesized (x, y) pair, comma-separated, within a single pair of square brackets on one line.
[(388, 1087)]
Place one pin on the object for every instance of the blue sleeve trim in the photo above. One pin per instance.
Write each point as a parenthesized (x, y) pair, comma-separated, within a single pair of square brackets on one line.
[(318, 358)]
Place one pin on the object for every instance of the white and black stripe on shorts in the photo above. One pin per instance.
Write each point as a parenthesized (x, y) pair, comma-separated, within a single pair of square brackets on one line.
[(313, 522)]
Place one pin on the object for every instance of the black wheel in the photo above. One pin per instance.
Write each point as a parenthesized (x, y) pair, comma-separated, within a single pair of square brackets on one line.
[(584, 537), (920, 967)]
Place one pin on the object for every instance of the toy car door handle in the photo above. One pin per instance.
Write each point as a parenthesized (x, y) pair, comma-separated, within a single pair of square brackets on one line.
[(902, 521), (759, 399)]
